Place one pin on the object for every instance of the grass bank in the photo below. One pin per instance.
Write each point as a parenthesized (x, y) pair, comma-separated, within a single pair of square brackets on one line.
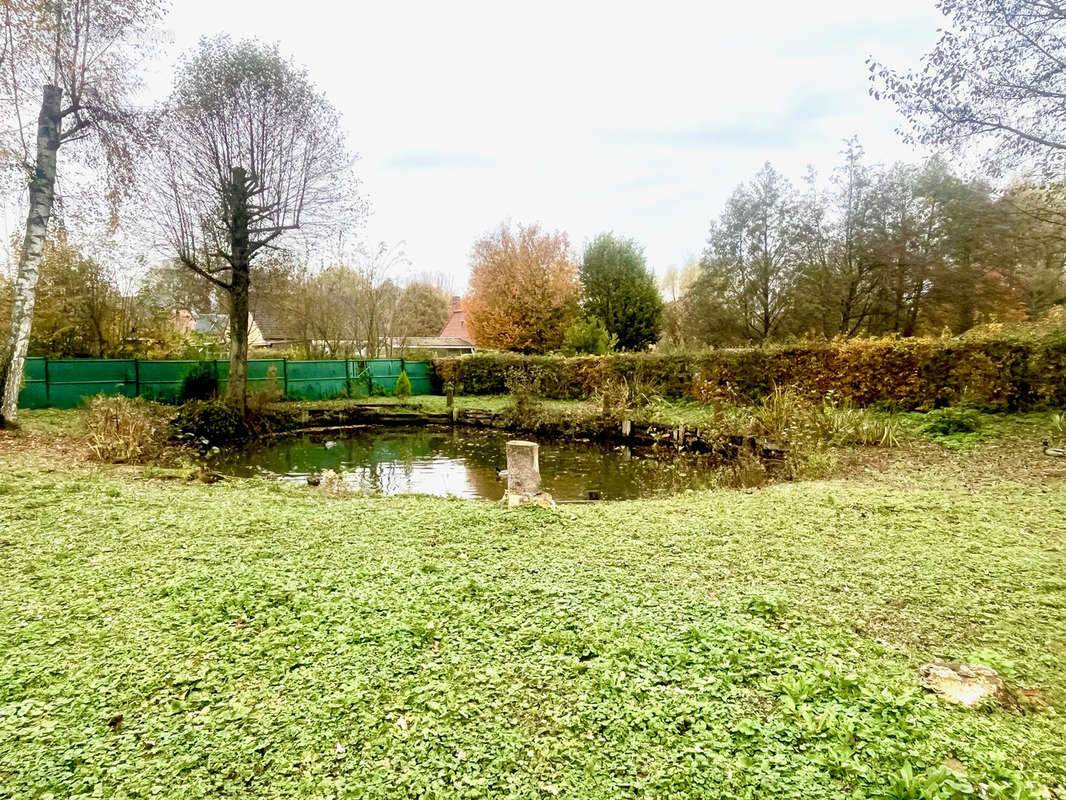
[(161, 638)]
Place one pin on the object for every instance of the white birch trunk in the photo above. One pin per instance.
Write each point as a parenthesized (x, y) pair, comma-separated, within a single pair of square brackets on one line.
[(42, 196)]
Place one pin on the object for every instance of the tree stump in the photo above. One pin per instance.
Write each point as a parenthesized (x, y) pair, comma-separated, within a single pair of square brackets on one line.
[(523, 468)]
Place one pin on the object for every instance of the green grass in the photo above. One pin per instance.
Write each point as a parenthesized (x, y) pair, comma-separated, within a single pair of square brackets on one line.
[(256, 640)]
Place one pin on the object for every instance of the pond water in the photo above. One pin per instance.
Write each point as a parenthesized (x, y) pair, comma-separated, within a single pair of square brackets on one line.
[(464, 462)]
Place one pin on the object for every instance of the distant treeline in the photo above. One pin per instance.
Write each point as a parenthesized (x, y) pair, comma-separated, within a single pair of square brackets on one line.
[(900, 249)]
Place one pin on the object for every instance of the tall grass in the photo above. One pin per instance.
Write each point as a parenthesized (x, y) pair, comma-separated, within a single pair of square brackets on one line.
[(124, 430), (859, 426), (790, 419)]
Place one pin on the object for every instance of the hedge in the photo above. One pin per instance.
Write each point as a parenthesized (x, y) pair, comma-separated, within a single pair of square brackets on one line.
[(909, 374)]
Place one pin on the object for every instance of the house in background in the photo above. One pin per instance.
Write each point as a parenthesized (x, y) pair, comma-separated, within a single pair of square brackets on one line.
[(431, 345), (453, 340), (270, 323), (214, 325), (455, 327), (267, 329)]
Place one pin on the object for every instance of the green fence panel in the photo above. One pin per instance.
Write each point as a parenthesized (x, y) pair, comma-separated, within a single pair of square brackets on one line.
[(263, 373), (34, 391), (161, 380), (358, 379), (383, 374), (421, 376), (65, 383), (315, 380), (72, 380)]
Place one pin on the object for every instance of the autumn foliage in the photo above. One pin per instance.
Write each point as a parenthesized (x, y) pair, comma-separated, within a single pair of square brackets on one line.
[(523, 290), (997, 370)]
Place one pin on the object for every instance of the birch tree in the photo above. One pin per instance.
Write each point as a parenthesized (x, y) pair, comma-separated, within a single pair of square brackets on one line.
[(249, 154), (67, 73)]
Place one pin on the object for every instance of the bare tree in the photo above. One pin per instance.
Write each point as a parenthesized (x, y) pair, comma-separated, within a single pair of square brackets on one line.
[(74, 61), (249, 153), (380, 301), (997, 73), (328, 311)]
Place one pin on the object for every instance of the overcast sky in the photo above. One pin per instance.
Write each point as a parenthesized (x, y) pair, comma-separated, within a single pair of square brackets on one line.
[(584, 116)]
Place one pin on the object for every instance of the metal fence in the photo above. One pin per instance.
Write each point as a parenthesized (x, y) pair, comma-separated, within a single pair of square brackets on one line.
[(65, 383)]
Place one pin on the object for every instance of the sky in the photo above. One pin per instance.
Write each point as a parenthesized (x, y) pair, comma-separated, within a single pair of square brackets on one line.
[(636, 118)]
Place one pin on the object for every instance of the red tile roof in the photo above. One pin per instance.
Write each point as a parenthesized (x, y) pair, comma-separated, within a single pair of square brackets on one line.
[(456, 324)]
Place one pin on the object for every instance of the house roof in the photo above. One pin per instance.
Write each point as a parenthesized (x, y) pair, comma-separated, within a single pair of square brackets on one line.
[(456, 324), (269, 322)]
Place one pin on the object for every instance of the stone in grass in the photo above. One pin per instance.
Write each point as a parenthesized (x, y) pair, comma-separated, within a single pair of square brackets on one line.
[(967, 684)]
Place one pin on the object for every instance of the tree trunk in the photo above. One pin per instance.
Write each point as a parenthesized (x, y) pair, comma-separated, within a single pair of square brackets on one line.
[(42, 197), (237, 386)]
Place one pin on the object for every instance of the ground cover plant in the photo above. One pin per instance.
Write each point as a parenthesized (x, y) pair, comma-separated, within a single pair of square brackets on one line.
[(253, 639)]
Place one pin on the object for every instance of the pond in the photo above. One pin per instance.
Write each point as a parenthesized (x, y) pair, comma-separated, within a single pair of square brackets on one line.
[(465, 462)]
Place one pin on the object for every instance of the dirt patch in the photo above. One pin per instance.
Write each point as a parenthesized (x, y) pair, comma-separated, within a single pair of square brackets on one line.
[(1012, 458), (59, 450)]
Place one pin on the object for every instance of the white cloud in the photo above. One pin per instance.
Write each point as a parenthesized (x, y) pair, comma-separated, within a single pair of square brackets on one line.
[(586, 116)]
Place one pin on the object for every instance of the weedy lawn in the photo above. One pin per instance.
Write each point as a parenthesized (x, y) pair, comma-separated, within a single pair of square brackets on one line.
[(246, 639)]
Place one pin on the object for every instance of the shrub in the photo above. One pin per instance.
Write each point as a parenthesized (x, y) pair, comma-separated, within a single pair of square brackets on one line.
[(403, 387), (614, 397), (1058, 423), (588, 337), (124, 430), (783, 413), (949, 421), (260, 399), (200, 383), (954, 428), (907, 374), (210, 422), (811, 465), (525, 410)]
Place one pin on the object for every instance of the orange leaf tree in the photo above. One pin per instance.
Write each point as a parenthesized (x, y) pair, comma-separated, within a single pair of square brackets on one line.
[(523, 290)]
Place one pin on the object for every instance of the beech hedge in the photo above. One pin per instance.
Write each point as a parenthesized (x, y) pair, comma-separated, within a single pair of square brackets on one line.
[(908, 374)]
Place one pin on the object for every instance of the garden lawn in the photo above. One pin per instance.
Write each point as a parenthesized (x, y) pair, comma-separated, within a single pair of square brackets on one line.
[(249, 639)]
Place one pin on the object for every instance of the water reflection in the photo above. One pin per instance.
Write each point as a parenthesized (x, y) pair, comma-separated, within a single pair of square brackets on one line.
[(465, 462)]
